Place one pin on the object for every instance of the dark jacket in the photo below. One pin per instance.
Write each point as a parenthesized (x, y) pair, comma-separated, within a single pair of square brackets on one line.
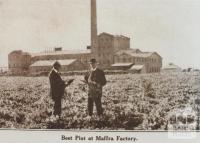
[(98, 77), (57, 85)]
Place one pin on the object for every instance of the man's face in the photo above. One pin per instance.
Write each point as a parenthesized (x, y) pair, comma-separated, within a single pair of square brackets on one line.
[(93, 65), (58, 68)]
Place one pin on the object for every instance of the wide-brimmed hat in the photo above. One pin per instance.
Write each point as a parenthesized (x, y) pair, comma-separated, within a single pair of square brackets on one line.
[(56, 64), (93, 60)]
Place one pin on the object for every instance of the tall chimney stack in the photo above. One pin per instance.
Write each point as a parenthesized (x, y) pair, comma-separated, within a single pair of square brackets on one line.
[(94, 41)]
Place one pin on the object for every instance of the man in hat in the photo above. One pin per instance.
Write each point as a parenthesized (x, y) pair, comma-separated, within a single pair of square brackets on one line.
[(57, 87), (95, 79)]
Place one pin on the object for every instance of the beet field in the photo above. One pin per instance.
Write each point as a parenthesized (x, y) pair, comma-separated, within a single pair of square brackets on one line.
[(130, 102)]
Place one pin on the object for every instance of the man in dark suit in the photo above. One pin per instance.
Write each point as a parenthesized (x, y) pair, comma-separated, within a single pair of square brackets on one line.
[(95, 79), (57, 87)]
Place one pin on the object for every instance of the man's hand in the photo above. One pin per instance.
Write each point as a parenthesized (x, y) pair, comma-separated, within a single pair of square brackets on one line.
[(92, 82), (95, 83), (69, 82)]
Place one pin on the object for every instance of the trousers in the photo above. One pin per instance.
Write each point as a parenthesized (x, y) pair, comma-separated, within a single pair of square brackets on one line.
[(57, 107), (97, 101)]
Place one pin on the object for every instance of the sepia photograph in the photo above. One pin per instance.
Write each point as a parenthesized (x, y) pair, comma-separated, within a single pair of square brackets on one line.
[(100, 65)]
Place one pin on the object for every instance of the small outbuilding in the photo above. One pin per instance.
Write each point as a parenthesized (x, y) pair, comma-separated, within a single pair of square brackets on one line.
[(46, 65), (121, 66), (137, 69), (171, 68)]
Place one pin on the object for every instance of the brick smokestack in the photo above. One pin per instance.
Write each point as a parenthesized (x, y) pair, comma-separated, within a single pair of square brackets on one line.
[(94, 41)]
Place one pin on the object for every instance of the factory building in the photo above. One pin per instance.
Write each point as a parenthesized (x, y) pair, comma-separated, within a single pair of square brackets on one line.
[(19, 62), (44, 66), (111, 51)]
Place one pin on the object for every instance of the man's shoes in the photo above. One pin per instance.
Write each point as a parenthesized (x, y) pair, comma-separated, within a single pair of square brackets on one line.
[(57, 117), (88, 118), (54, 118), (100, 118)]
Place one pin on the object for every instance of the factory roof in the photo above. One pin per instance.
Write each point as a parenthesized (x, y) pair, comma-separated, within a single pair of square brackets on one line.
[(136, 53), (128, 51), (19, 52), (171, 66), (62, 52), (114, 36), (144, 55), (16, 51), (51, 62), (137, 67), (122, 64)]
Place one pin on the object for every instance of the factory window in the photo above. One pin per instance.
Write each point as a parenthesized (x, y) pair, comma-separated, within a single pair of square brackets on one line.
[(121, 60), (124, 59), (117, 59)]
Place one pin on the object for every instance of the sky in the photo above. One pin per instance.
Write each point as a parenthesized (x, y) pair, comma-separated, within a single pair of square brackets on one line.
[(169, 27)]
